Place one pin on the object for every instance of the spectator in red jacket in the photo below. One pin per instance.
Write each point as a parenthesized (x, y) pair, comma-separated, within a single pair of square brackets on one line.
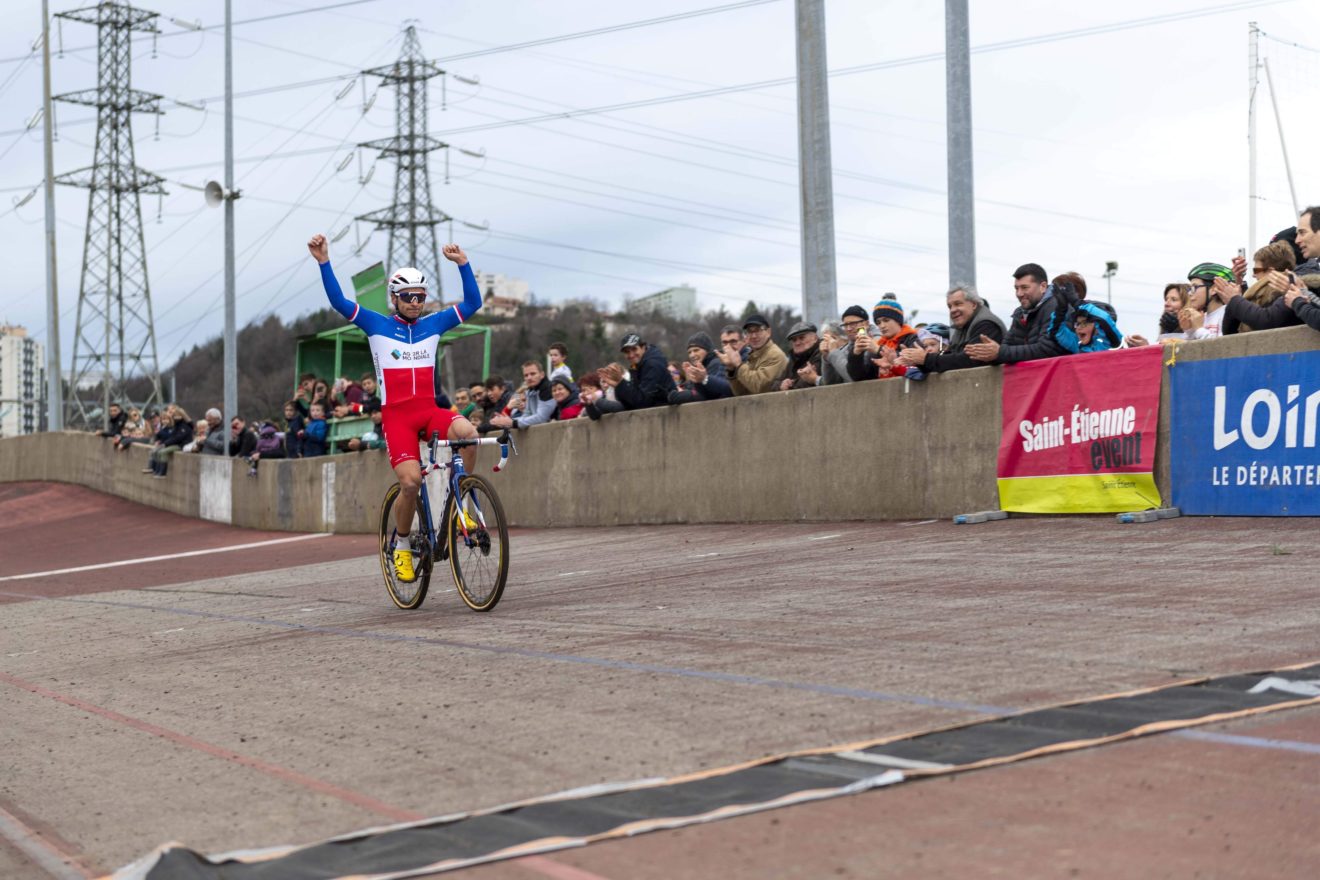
[(567, 405)]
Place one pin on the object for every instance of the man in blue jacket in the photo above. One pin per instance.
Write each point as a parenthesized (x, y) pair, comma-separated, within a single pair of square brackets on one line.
[(706, 378)]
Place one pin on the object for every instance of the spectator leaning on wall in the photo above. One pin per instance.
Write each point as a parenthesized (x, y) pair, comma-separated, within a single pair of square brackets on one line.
[(703, 373), (648, 382), (242, 439), (833, 356), (855, 323), (1030, 334), (758, 370), (117, 419), (538, 406), (215, 433), (804, 365), (567, 405), (1262, 307), (498, 395)]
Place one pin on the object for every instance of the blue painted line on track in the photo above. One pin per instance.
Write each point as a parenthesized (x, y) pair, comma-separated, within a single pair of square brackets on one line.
[(1254, 742), (623, 665)]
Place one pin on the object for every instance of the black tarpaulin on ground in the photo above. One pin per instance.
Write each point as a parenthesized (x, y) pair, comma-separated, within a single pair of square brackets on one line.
[(562, 821)]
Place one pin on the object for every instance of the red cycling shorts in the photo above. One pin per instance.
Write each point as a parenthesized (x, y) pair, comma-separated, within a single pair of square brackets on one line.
[(404, 422)]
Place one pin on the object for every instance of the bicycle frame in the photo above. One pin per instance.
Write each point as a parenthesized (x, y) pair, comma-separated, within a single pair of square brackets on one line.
[(455, 471)]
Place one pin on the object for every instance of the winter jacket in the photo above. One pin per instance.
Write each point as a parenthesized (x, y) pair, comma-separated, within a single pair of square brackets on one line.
[(797, 362), (1031, 333), (314, 434), (1106, 335), (569, 409), (834, 367), (649, 382), (493, 408), (1307, 308), (292, 443), (116, 426), (215, 441), (760, 370), (176, 433), (983, 322), (716, 386), (861, 366), (540, 406), (1239, 310), (245, 445)]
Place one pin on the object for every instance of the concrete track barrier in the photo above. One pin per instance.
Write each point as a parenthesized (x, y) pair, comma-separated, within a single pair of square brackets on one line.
[(887, 450)]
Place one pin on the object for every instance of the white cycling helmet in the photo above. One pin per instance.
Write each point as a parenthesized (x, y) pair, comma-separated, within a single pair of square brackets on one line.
[(402, 279)]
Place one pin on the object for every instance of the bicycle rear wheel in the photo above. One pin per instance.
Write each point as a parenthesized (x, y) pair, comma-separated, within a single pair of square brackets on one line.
[(478, 556), (405, 594)]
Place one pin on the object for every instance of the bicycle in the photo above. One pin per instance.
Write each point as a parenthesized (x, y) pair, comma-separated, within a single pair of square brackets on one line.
[(474, 536)]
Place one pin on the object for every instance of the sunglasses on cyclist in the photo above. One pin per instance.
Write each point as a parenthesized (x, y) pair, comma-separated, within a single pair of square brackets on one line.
[(411, 297)]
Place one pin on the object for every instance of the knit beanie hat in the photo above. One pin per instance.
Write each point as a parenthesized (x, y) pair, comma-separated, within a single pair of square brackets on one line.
[(856, 312), (888, 308), (701, 339)]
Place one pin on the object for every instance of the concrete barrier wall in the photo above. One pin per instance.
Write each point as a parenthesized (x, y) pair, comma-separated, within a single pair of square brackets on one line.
[(886, 450)]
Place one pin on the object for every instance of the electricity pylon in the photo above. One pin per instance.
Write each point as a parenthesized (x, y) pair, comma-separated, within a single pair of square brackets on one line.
[(412, 219), (115, 339)]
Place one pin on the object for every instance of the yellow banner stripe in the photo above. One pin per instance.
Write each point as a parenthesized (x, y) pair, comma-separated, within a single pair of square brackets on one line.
[(1086, 493)]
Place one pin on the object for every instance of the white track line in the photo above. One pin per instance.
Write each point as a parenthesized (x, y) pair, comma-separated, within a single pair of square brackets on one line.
[(145, 559), (46, 856)]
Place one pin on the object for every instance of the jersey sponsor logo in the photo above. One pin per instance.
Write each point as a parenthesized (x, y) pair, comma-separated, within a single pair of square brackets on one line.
[(396, 354)]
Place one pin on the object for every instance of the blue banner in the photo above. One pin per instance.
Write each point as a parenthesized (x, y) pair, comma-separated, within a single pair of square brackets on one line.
[(1243, 435)]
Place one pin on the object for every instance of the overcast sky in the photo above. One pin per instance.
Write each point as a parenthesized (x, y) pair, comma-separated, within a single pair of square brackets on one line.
[(1123, 143)]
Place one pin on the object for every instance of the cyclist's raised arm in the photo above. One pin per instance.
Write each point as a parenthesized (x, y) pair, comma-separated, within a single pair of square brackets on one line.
[(320, 250), (471, 292), (449, 318)]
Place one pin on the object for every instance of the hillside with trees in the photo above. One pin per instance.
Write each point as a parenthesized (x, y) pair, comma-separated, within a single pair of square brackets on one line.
[(267, 350)]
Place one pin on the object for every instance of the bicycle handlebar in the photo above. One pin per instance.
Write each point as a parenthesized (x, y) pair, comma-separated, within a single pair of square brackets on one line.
[(504, 441)]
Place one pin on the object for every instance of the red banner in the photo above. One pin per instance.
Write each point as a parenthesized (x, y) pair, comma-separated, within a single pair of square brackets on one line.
[(1079, 433)]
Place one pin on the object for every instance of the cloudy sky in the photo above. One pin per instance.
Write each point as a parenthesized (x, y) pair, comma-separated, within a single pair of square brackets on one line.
[(1112, 131)]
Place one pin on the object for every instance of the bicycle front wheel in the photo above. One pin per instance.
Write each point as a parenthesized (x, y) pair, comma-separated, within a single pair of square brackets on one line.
[(478, 543), (405, 594)]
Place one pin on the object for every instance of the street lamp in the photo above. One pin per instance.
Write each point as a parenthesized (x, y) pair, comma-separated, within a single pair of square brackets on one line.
[(1111, 269)]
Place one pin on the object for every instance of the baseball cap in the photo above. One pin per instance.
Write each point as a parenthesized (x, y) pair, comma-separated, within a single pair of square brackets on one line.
[(755, 319)]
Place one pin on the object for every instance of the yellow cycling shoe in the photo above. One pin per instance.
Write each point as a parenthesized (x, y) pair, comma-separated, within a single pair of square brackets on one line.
[(469, 524), (403, 565)]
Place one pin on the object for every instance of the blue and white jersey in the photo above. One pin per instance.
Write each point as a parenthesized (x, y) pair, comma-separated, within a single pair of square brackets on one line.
[(402, 352)]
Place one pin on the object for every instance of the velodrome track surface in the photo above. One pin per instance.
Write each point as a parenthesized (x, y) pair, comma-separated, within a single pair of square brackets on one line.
[(271, 695)]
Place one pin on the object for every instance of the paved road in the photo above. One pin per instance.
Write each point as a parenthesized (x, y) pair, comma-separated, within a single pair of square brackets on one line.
[(271, 695)]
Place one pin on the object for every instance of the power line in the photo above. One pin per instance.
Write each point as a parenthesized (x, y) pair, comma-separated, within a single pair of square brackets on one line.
[(213, 27), (594, 32)]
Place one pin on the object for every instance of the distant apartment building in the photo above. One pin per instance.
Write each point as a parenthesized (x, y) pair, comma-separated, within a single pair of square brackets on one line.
[(502, 295), (676, 302), (22, 382)]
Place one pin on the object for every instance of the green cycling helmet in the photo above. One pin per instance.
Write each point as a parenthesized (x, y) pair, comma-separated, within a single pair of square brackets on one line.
[(1210, 271)]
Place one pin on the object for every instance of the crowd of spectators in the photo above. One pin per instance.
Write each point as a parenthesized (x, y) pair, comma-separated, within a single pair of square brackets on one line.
[(1054, 317), (303, 434)]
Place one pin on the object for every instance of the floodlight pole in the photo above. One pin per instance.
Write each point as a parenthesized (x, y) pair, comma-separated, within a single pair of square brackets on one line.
[(820, 301), (54, 379), (958, 124), (231, 338)]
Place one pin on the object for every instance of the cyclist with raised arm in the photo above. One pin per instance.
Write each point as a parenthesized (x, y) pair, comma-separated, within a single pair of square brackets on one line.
[(403, 350)]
